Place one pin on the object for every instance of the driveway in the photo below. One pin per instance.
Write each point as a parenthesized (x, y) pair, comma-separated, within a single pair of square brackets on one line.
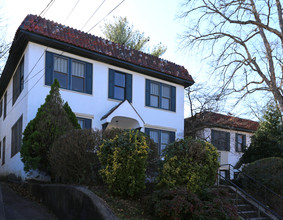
[(16, 207)]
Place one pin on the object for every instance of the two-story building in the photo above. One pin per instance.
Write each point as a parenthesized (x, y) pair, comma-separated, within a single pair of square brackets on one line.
[(106, 84), (230, 135)]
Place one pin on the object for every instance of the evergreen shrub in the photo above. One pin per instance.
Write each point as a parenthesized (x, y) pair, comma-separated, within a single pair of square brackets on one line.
[(123, 162), (73, 157), (189, 162)]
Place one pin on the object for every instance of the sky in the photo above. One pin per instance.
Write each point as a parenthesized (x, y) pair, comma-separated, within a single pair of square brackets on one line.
[(158, 19)]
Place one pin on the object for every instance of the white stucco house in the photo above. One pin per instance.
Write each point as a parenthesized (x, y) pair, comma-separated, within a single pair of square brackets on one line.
[(230, 135), (106, 84)]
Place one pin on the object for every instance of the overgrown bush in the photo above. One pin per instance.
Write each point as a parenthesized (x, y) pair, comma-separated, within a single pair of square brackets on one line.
[(268, 171), (73, 157), (267, 141), (50, 122), (189, 162), (123, 160), (179, 203)]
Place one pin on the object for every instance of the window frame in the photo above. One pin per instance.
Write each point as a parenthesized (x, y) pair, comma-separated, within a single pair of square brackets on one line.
[(16, 138), (216, 142), (18, 81), (244, 144), (172, 136), (5, 105), (87, 122), (171, 99), (50, 73), (4, 149), (1, 108), (127, 88)]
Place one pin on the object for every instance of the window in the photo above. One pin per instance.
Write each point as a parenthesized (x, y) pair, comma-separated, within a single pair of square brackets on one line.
[(120, 85), (220, 140), (1, 103), (4, 146), (5, 105), (18, 81), (160, 137), (240, 142), (72, 74), (85, 123), (160, 95), (17, 136)]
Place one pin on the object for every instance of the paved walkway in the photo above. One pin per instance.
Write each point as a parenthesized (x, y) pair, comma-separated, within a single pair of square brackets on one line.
[(15, 207)]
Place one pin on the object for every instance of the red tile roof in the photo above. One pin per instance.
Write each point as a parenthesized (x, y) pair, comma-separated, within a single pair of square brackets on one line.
[(212, 119), (53, 30)]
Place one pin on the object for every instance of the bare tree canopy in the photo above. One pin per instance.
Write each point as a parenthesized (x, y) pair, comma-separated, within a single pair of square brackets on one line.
[(120, 31), (244, 38)]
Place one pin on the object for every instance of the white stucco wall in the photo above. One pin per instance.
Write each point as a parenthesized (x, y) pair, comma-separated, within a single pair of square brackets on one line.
[(227, 157), (92, 106)]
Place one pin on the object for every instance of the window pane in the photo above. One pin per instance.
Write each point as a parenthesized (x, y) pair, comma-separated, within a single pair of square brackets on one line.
[(165, 103), (154, 135), (60, 64), (164, 138), (166, 91), (119, 93), (154, 101), (154, 88), (78, 69), (78, 83), (81, 122), (119, 79), (62, 78)]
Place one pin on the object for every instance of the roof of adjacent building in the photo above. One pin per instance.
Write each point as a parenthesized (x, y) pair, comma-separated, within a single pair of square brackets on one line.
[(212, 119)]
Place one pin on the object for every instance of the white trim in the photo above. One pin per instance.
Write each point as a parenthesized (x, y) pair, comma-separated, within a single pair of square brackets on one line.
[(160, 127), (82, 115)]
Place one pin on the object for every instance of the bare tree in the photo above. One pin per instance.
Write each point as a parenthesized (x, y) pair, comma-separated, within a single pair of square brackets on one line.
[(244, 38)]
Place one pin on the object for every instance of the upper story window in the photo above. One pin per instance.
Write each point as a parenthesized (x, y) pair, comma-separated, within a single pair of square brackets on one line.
[(161, 137), (18, 81), (72, 74), (220, 140), (240, 142), (1, 104), (4, 150), (17, 136), (120, 85), (85, 123), (160, 95), (5, 105)]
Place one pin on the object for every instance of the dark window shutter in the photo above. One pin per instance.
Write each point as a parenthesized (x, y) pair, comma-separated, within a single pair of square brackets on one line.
[(147, 92), (1, 108), (171, 136), (236, 143), (173, 98), (213, 138), (244, 143), (87, 123), (146, 131), (49, 69), (129, 87), (227, 141), (111, 84), (88, 79)]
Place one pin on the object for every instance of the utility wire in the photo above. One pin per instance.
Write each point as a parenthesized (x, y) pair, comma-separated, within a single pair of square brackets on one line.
[(106, 15), (93, 14), (71, 11), (46, 8)]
